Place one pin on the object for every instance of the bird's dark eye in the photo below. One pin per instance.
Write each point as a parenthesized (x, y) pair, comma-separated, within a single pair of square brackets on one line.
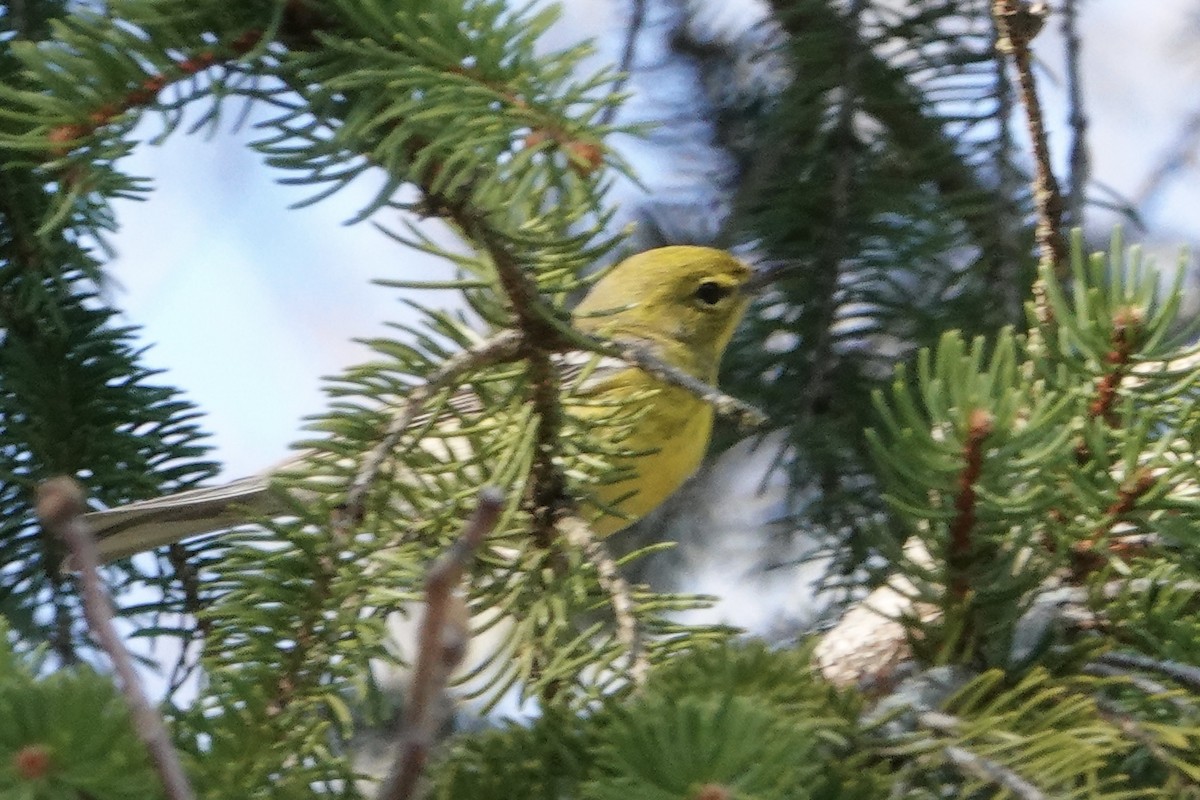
[(711, 293)]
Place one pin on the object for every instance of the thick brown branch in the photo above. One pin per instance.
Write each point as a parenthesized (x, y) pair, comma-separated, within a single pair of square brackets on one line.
[(541, 336)]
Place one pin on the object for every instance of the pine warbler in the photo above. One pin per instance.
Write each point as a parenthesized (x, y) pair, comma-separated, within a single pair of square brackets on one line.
[(680, 303)]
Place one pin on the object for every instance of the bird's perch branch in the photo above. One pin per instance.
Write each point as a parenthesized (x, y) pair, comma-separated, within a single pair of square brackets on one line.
[(747, 417), (60, 506), (437, 653)]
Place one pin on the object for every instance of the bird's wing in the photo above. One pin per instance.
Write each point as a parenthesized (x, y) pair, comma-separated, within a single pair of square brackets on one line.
[(147, 524)]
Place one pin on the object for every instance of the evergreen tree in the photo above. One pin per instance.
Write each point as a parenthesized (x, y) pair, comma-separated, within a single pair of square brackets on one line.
[(1029, 477)]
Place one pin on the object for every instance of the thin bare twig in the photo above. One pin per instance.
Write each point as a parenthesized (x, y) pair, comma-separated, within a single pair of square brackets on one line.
[(974, 764), (979, 767), (436, 655), (60, 506), (1077, 118), (747, 417), (579, 534), (504, 346), (1180, 155), (1186, 674), (1017, 23), (1143, 684), (637, 19)]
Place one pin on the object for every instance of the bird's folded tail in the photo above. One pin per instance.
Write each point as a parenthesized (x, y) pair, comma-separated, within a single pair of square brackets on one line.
[(145, 525)]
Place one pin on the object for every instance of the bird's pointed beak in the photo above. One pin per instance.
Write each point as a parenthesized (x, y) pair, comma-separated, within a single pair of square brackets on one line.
[(767, 274)]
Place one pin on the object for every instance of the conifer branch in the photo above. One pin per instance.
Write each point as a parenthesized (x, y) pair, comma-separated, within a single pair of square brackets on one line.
[(503, 347), (1084, 557), (65, 137), (1138, 733), (60, 507), (1119, 359), (289, 680), (539, 336), (186, 574), (899, 107), (437, 654), (579, 534), (822, 358), (960, 553), (1018, 22), (1140, 682)]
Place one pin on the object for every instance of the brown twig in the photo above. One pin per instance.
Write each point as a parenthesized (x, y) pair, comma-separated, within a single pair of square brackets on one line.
[(1084, 558), (960, 555), (436, 655), (1121, 346), (65, 137), (60, 506), (1010, 250), (1017, 23), (540, 336)]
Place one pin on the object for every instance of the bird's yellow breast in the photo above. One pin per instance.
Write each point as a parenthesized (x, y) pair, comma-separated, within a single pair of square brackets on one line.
[(667, 442)]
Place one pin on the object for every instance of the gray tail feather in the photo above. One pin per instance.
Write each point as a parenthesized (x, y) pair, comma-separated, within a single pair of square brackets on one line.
[(147, 524)]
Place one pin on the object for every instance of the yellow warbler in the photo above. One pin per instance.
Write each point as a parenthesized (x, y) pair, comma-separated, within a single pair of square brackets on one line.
[(679, 303)]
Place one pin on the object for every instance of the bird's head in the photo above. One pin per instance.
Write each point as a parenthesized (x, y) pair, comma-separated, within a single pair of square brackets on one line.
[(684, 301)]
